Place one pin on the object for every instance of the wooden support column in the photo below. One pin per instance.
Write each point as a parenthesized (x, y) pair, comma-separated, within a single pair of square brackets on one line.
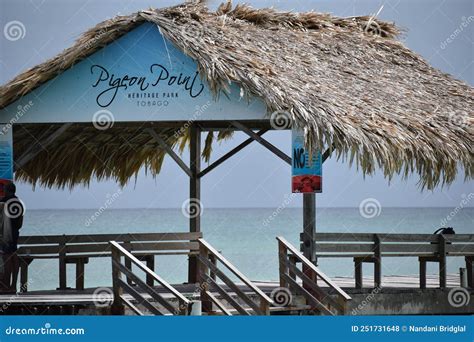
[(377, 261), (194, 193), (309, 231), (442, 262), (62, 264)]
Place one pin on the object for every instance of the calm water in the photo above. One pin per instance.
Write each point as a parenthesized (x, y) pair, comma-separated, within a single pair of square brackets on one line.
[(245, 236)]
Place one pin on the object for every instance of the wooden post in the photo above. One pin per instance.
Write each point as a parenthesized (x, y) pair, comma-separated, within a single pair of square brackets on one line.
[(309, 231), (358, 272), (377, 261), (422, 273), (282, 256), (150, 263), (194, 193), (470, 273), (202, 274), (442, 262), (117, 305), (62, 264)]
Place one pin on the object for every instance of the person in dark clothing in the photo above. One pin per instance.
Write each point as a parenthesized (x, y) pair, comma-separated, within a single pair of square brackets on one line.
[(13, 211)]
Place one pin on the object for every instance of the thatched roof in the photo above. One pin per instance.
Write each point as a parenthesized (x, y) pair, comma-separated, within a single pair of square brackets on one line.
[(347, 81)]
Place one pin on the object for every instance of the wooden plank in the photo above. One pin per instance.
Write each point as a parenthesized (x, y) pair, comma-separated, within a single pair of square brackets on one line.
[(229, 154), (460, 248), (235, 271), (344, 248), (240, 293), (315, 269), (56, 239), (169, 151), (309, 297), (140, 283), (275, 150), (157, 278), (369, 237), (138, 297), (227, 297), (218, 304)]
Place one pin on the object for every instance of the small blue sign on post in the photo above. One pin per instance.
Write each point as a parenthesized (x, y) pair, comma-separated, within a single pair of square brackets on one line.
[(6, 156), (306, 170)]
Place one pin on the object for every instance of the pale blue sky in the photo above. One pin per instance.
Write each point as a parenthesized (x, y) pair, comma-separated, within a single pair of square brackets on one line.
[(254, 178)]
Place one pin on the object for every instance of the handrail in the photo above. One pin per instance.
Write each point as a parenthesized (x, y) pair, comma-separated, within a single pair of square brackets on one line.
[(314, 268), (119, 285), (391, 237), (289, 271), (207, 251)]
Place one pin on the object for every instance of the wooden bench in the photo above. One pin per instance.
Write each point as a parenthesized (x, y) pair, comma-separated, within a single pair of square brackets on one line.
[(77, 249), (371, 248)]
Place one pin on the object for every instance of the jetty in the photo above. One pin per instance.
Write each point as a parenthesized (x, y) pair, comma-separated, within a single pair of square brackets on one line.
[(139, 88)]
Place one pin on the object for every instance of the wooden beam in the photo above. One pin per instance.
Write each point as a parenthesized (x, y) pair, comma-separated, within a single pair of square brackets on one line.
[(230, 154), (170, 151), (32, 152), (262, 141)]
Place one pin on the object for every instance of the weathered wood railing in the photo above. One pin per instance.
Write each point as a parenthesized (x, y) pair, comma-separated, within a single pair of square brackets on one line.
[(209, 272), (317, 297), (77, 249), (121, 288), (370, 248)]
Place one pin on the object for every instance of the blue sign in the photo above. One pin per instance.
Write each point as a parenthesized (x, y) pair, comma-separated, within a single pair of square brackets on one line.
[(306, 170), (141, 76), (6, 154)]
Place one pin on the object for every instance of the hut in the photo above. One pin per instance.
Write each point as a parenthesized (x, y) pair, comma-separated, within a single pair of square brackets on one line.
[(135, 87)]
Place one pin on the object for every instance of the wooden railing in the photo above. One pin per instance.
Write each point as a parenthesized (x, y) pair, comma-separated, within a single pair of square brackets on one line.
[(209, 271), (78, 249), (315, 296), (371, 248), (121, 287)]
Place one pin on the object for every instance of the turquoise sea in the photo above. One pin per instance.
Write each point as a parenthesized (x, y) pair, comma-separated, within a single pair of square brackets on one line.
[(246, 237)]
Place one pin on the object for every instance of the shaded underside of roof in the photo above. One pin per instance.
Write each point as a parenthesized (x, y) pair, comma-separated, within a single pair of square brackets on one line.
[(348, 82)]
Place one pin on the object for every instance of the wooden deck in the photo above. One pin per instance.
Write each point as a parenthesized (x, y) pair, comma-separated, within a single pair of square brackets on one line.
[(86, 296)]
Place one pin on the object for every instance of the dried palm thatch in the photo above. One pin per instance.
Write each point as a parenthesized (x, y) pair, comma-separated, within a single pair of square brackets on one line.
[(346, 81)]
